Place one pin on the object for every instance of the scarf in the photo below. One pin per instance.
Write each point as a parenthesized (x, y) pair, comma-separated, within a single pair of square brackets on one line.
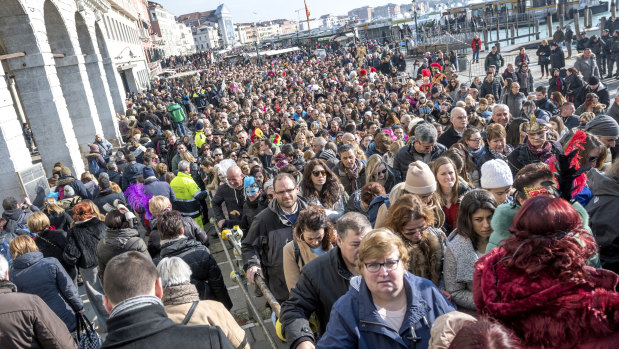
[(353, 175), (542, 154), (180, 294), (559, 85), (134, 303)]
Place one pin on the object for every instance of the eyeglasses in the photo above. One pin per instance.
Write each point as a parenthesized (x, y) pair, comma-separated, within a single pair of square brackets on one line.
[(322, 173), (416, 230), (217, 154), (270, 196), (374, 267), (475, 140), (381, 172)]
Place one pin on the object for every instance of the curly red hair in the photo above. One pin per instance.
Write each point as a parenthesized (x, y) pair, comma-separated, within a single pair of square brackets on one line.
[(549, 237)]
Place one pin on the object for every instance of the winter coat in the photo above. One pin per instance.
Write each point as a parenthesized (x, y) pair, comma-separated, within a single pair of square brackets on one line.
[(491, 88), (205, 272), (46, 278), (251, 210), (587, 68), (543, 54), (234, 200), (355, 204), (557, 59), (569, 35), (295, 261), (78, 186), (150, 328), (522, 156), (355, 322), (178, 299), (107, 196), (494, 59), (407, 154), (449, 137), (17, 220), (514, 102), (82, 243), (105, 147), (130, 174), (59, 221), (191, 230), (95, 156), (115, 177), (476, 44), (188, 196), (178, 114), (525, 79), (547, 313), (311, 296), (27, 322), (115, 242), (558, 36), (346, 182), (603, 211), (504, 216), (154, 187), (554, 87), (52, 243), (601, 91), (425, 258), (263, 246), (460, 258)]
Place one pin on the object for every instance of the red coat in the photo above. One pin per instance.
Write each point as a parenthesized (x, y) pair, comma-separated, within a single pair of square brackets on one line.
[(476, 44), (546, 313)]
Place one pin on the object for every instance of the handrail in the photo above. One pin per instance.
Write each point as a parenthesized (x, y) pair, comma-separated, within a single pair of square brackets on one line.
[(237, 275)]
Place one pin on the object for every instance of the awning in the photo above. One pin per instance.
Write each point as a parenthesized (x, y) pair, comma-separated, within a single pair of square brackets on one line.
[(126, 66)]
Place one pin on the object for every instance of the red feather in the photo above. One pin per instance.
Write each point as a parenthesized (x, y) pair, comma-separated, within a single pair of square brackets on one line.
[(425, 72), (363, 72), (578, 141), (435, 64), (372, 70)]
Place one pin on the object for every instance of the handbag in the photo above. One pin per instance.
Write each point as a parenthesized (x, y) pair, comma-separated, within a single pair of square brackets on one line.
[(87, 337)]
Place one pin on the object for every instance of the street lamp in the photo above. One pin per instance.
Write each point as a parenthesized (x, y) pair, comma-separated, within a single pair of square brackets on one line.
[(414, 11)]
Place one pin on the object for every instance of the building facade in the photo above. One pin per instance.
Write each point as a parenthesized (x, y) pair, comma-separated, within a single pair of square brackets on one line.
[(58, 74)]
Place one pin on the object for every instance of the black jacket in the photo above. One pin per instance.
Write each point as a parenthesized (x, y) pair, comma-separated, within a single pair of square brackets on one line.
[(491, 88), (543, 54), (557, 59), (115, 242), (522, 156), (251, 210), (310, 295), (150, 328), (407, 154), (264, 243), (107, 196), (82, 243), (205, 273), (130, 174), (154, 187), (601, 91), (449, 137), (234, 200), (60, 221), (51, 243), (78, 186), (192, 231)]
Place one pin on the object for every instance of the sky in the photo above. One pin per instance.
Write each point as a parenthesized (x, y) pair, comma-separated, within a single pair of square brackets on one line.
[(243, 10)]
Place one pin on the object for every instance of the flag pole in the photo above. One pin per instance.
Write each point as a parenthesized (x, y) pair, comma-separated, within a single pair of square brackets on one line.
[(307, 15)]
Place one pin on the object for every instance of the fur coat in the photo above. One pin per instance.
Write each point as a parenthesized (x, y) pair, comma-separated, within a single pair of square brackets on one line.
[(425, 258), (82, 240), (544, 312)]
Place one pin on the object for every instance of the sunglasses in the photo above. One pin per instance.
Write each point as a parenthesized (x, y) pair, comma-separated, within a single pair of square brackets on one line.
[(382, 172), (319, 173)]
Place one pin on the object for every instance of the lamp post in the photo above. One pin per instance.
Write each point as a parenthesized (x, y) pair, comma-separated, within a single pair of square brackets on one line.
[(414, 10)]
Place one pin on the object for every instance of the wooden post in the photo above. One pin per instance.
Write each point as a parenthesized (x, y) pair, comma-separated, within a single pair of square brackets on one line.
[(549, 24), (561, 15), (498, 26), (613, 10), (536, 29), (485, 34), (589, 17), (530, 25), (513, 34), (602, 23), (506, 25), (576, 23)]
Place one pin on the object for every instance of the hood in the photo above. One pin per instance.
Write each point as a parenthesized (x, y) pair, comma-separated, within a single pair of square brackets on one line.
[(177, 246), (356, 201), (16, 214), (27, 259), (602, 185), (121, 233), (274, 206)]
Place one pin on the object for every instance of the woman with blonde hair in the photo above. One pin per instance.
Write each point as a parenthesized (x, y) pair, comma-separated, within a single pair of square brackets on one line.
[(33, 273), (56, 214), (51, 242), (82, 240), (378, 171)]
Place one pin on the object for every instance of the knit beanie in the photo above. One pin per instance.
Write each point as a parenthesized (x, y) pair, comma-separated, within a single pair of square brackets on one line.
[(419, 179), (69, 192), (148, 172), (104, 180), (496, 174), (603, 126)]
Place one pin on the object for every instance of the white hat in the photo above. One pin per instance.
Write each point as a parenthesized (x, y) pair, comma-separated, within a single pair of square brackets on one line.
[(496, 174)]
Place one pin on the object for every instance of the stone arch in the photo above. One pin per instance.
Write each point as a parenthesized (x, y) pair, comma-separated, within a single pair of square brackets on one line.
[(111, 75), (22, 31), (69, 63)]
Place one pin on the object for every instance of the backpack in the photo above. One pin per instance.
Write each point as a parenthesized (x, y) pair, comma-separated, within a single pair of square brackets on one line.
[(93, 166), (297, 253)]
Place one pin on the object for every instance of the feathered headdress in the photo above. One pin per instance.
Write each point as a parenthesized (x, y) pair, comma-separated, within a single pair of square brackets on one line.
[(256, 135), (535, 126), (372, 70), (571, 177), (426, 73), (437, 66), (363, 72)]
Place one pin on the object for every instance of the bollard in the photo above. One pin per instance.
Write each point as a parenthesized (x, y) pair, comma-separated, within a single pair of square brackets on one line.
[(506, 25), (498, 28), (549, 24), (536, 29), (513, 34), (589, 17)]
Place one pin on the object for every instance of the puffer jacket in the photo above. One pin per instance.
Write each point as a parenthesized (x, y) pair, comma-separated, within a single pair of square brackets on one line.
[(191, 230), (355, 322), (264, 243), (603, 212), (107, 196), (130, 174), (45, 277), (82, 243), (460, 258), (311, 296), (587, 69), (154, 187), (407, 154), (178, 299), (52, 243), (22, 313), (115, 242), (546, 313), (205, 272)]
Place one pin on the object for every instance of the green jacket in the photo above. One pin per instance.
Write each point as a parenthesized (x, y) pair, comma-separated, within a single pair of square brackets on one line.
[(178, 114)]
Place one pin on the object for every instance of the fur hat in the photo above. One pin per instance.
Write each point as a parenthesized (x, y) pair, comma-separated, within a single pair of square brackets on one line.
[(65, 171), (496, 174), (420, 179)]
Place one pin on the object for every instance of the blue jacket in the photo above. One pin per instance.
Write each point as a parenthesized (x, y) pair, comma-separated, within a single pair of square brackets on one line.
[(46, 278), (355, 322)]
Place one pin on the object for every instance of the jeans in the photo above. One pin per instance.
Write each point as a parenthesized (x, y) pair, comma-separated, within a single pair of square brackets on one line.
[(90, 276), (180, 128), (476, 55), (603, 63), (568, 44), (544, 67)]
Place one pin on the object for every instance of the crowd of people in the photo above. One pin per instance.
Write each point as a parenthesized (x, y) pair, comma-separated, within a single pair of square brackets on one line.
[(380, 210)]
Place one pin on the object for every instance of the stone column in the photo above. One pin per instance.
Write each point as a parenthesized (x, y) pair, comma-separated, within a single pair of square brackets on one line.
[(14, 154), (46, 109), (114, 84), (81, 101), (103, 99)]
